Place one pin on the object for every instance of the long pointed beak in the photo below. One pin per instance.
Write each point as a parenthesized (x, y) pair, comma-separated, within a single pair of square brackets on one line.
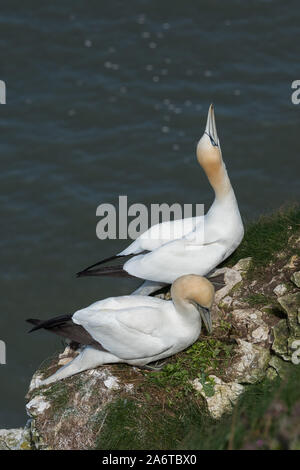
[(206, 318), (211, 129)]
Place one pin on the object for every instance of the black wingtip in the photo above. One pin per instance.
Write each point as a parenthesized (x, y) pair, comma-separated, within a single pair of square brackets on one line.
[(34, 322), (105, 260), (114, 271), (32, 329), (91, 272), (86, 273)]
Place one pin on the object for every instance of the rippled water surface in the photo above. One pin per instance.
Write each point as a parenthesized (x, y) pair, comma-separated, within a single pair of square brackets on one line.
[(107, 99)]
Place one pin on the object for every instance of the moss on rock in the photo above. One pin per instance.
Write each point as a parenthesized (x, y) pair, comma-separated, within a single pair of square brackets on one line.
[(281, 335)]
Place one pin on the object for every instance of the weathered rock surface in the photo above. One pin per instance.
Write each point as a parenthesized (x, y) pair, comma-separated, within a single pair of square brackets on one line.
[(281, 367), (15, 439), (231, 277), (295, 278), (281, 335), (281, 289), (70, 414), (225, 396), (250, 321), (291, 304), (250, 364), (243, 265)]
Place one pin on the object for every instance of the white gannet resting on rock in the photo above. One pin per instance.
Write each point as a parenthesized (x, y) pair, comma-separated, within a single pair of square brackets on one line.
[(135, 330), (194, 245)]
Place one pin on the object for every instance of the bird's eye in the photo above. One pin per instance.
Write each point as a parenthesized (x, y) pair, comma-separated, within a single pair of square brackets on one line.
[(213, 142)]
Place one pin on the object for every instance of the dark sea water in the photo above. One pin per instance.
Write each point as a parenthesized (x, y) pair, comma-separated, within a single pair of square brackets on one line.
[(107, 99)]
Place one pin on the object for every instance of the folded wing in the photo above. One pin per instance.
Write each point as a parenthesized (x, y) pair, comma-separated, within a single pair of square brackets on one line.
[(129, 334), (180, 257)]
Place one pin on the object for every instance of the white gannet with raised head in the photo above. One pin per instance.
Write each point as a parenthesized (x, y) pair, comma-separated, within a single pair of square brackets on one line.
[(194, 245), (136, 329)]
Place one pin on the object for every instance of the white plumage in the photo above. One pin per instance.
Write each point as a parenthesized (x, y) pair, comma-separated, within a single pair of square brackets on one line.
[(193, 245), (138, 329)]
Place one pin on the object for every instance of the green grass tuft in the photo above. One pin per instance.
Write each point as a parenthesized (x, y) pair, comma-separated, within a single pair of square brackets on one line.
[(203, 357), (130, 425), (59, 395), (267, 236), (256, 300)]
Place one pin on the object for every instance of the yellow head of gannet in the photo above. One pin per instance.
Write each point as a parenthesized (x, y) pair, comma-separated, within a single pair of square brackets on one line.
[(209, 156), (197, 291)]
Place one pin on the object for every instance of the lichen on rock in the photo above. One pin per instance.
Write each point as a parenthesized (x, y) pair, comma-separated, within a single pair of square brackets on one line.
[(295, 278), (250, 363), (231, 278), (290, 303), (15, 439), (251, 322), (281, 335), (282, 368), (225, 396), (63, 414), (280, 289)]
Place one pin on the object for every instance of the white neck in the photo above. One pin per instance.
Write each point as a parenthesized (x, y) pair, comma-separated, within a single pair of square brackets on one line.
[(219, 180), (185, 308)]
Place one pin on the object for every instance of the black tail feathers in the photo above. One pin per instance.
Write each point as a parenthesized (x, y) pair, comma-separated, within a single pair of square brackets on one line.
[(64, 326)]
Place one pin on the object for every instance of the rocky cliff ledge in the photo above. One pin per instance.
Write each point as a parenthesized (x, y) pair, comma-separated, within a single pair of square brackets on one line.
[(256, 318)]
